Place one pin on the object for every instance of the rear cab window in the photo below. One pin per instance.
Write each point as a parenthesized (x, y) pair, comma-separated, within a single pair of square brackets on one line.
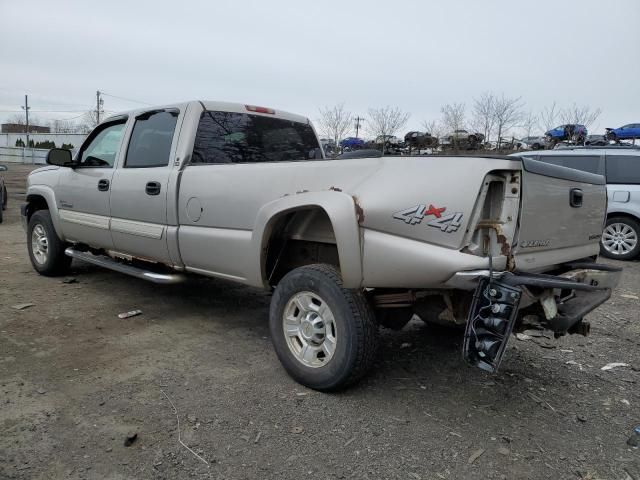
[(623, 169), (230, 137)]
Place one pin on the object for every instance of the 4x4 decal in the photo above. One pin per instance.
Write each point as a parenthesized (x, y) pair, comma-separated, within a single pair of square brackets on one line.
[(446, 223)]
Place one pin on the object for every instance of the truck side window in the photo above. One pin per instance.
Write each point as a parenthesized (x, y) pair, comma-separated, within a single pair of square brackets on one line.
[(102, 149), (623, 169), (150, 143), (229, 137)]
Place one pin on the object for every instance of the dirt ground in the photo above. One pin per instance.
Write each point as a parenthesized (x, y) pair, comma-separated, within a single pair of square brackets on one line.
[(75, 380)]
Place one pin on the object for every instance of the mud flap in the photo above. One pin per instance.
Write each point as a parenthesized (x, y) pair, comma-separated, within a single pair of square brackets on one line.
[(491, 318)]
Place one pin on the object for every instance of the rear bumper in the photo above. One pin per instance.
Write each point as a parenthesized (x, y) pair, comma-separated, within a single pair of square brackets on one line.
[(556, 302), (579, 290)]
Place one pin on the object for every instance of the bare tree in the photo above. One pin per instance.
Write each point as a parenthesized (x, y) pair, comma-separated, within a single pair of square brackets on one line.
[(19, 119), (63, 126), (88, 121), (529, 122), (549, 117), (582, 115), (508, 113), (335, 122), (386, 121), (484, 114), (453, 118), (433, 127)]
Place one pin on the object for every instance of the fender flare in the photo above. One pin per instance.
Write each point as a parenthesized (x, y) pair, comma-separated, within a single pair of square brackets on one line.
[(341, 210), (49, 197)]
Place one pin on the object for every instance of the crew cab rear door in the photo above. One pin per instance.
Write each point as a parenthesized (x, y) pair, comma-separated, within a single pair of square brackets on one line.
[(561, 216), (140, 186)]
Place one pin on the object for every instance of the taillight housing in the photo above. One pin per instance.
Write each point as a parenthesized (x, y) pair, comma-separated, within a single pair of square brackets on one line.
[(255, 108)]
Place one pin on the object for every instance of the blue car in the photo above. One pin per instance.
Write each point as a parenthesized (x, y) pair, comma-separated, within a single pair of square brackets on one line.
[(569, 132), (352, 143), (627, 132)]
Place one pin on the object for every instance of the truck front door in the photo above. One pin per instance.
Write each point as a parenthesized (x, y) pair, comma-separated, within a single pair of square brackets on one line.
[(82, 192), (140, 187)]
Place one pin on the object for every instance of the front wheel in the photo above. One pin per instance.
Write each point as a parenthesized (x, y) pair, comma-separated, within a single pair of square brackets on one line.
[(620, 238), (46, 250), (325, 335)]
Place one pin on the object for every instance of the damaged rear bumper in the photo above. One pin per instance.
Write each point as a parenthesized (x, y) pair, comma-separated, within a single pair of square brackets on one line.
[(557, 302)]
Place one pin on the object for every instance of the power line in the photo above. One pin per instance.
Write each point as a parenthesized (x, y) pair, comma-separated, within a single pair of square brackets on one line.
[(125, 99)]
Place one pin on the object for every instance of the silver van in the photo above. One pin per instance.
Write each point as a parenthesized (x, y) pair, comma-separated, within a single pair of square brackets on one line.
[(621, 167)]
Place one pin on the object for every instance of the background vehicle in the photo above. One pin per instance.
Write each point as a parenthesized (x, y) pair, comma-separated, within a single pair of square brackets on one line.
[(462, 138), (420, 140), (570, 132), (533, 143), (3, 192), (621, 166), (243, 193), (596, 140), (630, 131), (352, 143)]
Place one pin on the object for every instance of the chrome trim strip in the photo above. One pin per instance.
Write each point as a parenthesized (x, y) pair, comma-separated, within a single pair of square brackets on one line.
[(142, 229)]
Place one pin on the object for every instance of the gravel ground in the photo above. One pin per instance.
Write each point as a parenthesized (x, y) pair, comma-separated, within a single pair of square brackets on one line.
[(76, 381)]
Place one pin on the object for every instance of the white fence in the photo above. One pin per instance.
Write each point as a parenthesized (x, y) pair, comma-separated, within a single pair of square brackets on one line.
[(30, 156)]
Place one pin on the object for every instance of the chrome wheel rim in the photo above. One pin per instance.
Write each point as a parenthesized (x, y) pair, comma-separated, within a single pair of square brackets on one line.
[(309, 329), (39, 244), (619, 239)]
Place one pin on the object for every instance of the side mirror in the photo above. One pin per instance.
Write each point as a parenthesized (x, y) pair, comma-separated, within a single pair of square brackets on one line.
[(60, 157), (3, 168)]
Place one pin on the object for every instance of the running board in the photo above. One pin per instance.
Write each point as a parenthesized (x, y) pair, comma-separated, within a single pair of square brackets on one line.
[(107, 262)]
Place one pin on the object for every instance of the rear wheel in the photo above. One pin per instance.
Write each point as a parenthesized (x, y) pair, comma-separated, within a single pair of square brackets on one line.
[(325, 335), (620, 238), (46, 250)]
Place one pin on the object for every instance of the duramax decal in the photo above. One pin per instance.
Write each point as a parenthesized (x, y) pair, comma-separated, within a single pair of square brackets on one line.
[(535, 243), (446, 223)]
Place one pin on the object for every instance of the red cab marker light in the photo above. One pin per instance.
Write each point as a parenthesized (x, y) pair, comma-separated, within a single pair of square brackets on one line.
[(253, 108)]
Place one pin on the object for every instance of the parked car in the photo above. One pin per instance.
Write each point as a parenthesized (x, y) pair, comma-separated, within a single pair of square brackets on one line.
[(621, 167), (462, 138), (4, 196), (243, 193), (352, 143), (420, 140), (570, 132), (596, 140), (532, 143), (630, 131)]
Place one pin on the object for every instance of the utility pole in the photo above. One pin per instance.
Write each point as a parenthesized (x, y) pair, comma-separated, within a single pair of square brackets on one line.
[(358, 123), (99, 103), (26, 112)]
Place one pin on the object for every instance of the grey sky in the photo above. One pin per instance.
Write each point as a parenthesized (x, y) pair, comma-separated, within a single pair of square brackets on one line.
[(299, 56)]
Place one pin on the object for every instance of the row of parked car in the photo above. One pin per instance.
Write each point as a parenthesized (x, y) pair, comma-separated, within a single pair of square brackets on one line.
[(567, 134)]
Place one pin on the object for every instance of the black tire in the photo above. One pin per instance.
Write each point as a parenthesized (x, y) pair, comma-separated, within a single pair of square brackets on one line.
[(356, 330), (55, 262), (5, 198), (628, 222)]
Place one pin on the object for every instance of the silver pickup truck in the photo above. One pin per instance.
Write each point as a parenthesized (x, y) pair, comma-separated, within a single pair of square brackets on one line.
[(243, 193)]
